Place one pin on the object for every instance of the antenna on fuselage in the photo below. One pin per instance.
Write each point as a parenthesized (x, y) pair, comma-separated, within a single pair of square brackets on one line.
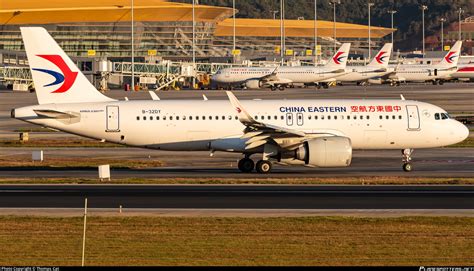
[(205, 97), (401, 97)]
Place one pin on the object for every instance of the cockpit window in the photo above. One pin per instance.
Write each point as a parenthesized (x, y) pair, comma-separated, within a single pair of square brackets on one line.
[(436, 116), (444, 116)]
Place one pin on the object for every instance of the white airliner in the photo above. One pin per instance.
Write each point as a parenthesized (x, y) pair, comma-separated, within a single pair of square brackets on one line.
[(437, 73), (315, 133), (279, 77), (377, 68)]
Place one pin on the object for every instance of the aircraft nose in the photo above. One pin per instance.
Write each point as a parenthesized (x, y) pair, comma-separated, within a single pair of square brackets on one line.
[(463, 131)]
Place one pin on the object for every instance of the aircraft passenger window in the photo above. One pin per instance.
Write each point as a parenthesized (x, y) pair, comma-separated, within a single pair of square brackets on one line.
[(157, 117), (138, 118), (230, 117), (367, 117), (203, 117), (380, 117), (275, 117), (144, 118), (223, 117), (164, 117), (151, 118), (315, 117), (256, 117), (171, 117), (217, 117), (386, 117), (393, 117), (269, 117), (236, 118), (190, 117), (348, 117), (342, 117), (177, 117), (335, 117), (184, 117), (210, 117), (400, 117), (197, 117), (309, 117), (282, 117), (322, 117)]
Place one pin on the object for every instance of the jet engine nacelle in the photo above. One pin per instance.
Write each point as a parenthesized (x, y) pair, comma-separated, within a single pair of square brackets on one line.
[(334, 151), (376, 81), (253, 84)]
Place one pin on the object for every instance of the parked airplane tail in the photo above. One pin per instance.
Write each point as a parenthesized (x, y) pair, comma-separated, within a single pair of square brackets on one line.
[(339, 59), (382, 58), (56, 78), (450, 60)]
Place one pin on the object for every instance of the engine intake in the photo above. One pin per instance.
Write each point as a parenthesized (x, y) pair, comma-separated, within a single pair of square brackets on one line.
[(253, 84), (334, 151)]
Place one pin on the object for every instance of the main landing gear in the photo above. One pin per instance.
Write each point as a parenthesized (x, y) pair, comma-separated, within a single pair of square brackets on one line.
[(406, 158), (247, 165)]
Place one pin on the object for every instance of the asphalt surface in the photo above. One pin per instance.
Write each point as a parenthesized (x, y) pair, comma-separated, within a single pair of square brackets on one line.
[(440, 162), (237, 197)]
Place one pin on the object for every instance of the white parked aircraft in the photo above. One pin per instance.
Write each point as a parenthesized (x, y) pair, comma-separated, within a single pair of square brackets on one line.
[(437, 73), (279, 77), (316, 133), (377, 68)]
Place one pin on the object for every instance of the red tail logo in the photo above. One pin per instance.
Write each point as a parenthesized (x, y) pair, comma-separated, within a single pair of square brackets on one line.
[(67, 77), (338, 58), (380, 58), (450, 57)]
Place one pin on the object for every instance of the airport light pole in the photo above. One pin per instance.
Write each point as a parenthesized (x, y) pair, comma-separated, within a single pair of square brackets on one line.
[(335, 2), (315, 32), (193, 46), (423, 8), (233, 29), (442, 20), (133, 48), (369, 4), (392, 12), (460, 11), (282, 31)]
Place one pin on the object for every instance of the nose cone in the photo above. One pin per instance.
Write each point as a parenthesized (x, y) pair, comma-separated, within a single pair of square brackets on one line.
[(461, 132)]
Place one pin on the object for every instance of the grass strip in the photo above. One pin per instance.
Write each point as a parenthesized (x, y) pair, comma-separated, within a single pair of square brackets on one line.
[(32, 241), (369, 180)]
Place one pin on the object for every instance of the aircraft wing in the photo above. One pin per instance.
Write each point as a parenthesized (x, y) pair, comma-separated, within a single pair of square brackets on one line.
[(258, 133), (273, 79)]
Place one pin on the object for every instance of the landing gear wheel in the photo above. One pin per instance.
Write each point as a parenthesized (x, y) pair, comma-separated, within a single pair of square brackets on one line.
[(441, 82), (407, 167), (264, 166), (281, 88), (325, 86), (406, 159), (246, 165), (273, 88)]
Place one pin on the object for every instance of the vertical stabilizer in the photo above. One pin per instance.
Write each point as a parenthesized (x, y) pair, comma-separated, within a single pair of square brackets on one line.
[(382, 58), (339, 59), (57, 79), (450, 60)]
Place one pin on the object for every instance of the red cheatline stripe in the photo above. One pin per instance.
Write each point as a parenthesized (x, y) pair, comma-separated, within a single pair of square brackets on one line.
[(466, 69)]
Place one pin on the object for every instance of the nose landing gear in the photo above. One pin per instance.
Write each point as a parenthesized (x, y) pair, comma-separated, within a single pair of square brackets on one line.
[(406, 159)]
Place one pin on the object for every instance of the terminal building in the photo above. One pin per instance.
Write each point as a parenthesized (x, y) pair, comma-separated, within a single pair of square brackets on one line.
[(103, 28), (94, 31)]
